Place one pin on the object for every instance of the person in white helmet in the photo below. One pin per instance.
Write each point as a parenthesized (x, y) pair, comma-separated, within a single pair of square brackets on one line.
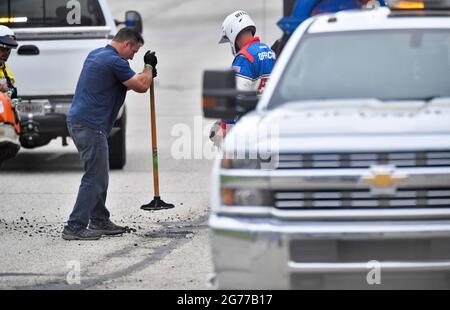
[(7, 43), (253, 61)]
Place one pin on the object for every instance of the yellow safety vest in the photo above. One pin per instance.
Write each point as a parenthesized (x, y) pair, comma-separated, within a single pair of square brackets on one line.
[(4, 68)]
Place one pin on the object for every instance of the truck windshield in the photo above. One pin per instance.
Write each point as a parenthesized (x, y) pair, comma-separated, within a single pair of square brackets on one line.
[(383, 64), (50, 13)]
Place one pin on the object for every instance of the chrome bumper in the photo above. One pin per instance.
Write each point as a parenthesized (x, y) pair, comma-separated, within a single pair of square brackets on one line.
[(29, 108), (263, 247), (258, 254), (363, 267)]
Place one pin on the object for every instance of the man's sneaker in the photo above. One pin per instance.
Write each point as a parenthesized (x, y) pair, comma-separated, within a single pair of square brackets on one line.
[(80, 234), (107, 228)]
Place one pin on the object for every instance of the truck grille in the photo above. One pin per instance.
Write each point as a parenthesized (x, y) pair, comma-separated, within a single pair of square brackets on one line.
[(364, 160), (362, 199)]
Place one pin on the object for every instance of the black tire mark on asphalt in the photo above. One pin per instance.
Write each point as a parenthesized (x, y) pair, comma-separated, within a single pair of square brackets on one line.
[(22, 274), (176, 236)]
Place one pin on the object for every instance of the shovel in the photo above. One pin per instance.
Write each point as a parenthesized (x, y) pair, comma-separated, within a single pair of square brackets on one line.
[(157, 203)]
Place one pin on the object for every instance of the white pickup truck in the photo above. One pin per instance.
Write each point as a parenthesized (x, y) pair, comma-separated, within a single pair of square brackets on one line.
[(54, 38), (340, 177)]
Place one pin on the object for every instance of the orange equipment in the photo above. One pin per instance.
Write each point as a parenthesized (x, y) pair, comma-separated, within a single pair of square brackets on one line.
[(9, 129)]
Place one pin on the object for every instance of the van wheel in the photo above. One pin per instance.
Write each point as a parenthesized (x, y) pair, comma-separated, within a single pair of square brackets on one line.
[(117, 144)]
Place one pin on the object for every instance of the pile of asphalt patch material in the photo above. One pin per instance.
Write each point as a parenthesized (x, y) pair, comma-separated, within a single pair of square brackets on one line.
[(37, 227), (30, 228)]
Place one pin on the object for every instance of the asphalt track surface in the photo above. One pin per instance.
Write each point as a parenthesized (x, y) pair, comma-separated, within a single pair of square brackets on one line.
[(166, 249)]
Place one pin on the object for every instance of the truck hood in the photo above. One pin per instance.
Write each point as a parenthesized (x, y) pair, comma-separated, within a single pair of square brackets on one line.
[(346, 125), (355, 117)]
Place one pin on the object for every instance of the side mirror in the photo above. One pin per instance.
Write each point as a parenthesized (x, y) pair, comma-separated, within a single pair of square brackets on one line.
[(133, 20), (221, 99)]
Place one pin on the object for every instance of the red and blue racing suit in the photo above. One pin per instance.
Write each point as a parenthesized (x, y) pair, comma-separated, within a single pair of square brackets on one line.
[(253, 64)]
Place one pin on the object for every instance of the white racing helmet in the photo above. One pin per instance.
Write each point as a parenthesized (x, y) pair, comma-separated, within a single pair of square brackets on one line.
[(7, 37), (234, 24)]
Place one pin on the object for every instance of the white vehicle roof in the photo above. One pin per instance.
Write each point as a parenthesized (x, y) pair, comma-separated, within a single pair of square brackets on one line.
[(380, 18)]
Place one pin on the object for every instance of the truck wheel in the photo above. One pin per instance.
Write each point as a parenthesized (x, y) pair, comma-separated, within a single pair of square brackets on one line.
[(117, 144)]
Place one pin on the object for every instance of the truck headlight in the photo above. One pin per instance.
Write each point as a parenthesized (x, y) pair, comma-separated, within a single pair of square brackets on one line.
[(246, 197)]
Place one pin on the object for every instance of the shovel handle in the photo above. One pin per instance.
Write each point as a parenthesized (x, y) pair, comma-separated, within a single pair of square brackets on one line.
[(154, 142)]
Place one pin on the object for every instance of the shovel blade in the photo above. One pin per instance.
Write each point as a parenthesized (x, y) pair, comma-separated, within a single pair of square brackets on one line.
[(157, 204)]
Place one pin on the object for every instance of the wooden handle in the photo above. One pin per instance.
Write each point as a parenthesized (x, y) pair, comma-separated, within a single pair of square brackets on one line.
[(154, 142)]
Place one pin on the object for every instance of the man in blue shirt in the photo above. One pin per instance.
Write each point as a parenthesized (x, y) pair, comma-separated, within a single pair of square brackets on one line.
[(104, 80)]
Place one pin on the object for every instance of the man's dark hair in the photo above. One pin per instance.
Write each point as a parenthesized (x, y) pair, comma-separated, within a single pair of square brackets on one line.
[(128, 34)]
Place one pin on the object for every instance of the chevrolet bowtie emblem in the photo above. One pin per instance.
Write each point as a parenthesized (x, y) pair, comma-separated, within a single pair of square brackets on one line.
[(383, 180)]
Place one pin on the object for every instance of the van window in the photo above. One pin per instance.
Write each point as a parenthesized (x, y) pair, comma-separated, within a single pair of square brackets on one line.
[(50, 13)]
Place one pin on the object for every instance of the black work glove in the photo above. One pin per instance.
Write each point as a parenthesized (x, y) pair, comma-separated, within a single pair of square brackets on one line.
[(154, 72), (150, 59)]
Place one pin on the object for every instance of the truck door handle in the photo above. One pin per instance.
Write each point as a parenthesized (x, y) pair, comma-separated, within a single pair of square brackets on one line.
[(28, 50)]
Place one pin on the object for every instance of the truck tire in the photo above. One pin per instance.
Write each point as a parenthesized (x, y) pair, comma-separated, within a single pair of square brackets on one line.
[(117, 144)]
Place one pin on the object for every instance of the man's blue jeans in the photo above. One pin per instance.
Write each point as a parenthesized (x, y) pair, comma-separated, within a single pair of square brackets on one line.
[(94, 153)]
